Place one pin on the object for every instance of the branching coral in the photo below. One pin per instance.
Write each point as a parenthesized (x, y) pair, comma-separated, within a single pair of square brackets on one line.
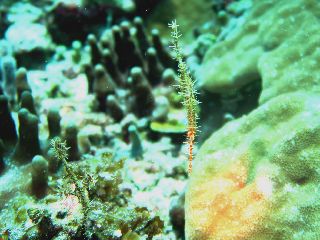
[(186, 90)]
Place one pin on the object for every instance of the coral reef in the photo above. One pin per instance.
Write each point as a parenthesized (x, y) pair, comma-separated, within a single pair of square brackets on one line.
[(99, 91), (269, 45), (92, 128), (256, 177)]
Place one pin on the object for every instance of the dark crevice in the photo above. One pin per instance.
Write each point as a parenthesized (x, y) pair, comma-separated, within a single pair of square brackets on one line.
[(223, 108), (4, 24)]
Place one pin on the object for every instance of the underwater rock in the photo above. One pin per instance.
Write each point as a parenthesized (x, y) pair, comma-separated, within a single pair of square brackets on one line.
[(27, 37), (257, 177), (24, 12), (239, 7), (219, 5), (202, 45), (269, 45), (39, 175), (6, 49)]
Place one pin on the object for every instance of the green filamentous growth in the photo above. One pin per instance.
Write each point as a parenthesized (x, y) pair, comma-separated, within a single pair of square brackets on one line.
[(186, 90), (60, 150)]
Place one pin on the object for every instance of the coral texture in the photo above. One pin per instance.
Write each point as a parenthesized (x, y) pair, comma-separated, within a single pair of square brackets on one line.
[(278, 42), (116, 176), (258, 177)]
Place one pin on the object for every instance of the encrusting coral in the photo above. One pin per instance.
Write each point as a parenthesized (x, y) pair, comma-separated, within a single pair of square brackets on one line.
[(271, 44), (257, 177)]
